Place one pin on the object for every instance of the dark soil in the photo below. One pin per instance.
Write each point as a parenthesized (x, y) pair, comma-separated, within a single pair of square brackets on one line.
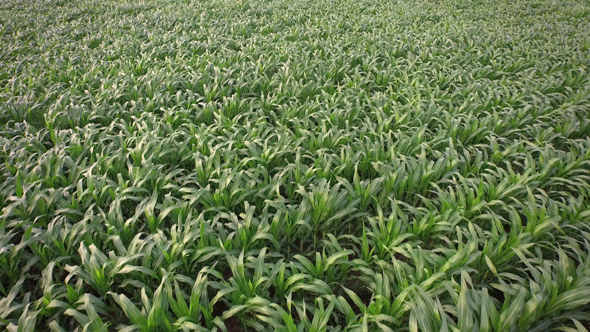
[(232, 323)]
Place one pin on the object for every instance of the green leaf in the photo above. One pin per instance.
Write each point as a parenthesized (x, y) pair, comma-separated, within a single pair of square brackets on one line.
[(131, 311)]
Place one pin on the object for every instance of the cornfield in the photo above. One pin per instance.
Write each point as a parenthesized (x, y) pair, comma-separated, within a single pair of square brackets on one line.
[(293, 165)]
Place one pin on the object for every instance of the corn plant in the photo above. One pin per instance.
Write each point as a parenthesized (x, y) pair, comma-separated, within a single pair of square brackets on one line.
[(366, 165)]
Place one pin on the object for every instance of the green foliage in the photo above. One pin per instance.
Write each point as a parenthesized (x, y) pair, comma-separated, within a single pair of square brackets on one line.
[(331, 165)]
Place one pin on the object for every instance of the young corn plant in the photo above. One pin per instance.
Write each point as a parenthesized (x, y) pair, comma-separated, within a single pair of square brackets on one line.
[(279, 165)]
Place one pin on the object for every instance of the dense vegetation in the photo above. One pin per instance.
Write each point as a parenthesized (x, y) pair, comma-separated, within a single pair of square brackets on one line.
[(292, 165)]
